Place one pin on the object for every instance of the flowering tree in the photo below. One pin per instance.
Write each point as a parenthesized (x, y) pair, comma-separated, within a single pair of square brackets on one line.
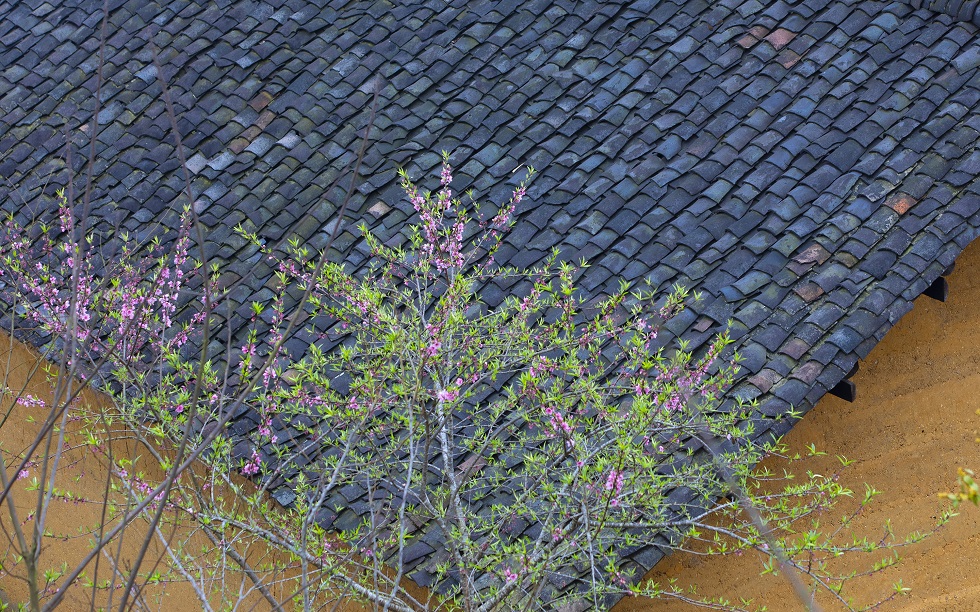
[(505, 455), (532, 437)]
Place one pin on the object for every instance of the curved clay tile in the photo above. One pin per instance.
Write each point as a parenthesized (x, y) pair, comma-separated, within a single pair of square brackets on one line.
[(961, 10)]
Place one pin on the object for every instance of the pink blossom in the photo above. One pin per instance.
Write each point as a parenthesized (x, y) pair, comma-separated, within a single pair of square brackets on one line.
[(251, 467), (30, 401), (432, 348), (447, 395), (614, 482)]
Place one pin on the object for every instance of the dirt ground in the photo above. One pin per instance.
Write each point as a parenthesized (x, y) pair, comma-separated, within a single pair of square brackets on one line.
[(914, 423)]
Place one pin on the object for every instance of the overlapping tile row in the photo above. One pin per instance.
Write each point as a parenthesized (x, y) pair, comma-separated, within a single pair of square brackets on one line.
[(962, 10), (809, 167)]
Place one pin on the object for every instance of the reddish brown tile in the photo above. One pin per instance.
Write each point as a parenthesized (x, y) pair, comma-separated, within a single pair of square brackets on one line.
[(265, 119), (765, 379), (250, 134), (261, 101), (799, 269), (795, 348), (808, 372), (812, 254), (238, 145), (474, 463), (780, 38), (809, 291), (703, 324), (900, 202)]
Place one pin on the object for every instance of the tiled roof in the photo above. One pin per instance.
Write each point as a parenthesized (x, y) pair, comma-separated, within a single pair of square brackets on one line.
[(961, 10), (808, 166)]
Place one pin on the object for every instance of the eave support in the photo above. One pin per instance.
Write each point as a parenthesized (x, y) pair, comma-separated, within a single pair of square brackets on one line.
[(938, 290), (846, 389)]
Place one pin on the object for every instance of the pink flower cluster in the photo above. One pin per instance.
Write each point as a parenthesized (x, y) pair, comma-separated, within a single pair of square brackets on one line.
[(29, 401), (252, 466), (614, 484), (145, 311), (447, 395), (441, 246), (557, 423), (265, 430), (542, 365)]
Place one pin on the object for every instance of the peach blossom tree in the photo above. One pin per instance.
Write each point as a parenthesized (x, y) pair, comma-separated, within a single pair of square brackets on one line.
[(507, 455)]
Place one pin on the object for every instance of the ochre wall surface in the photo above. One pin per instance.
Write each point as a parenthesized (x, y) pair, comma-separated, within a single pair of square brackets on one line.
[(83, 474), (914, 423)]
